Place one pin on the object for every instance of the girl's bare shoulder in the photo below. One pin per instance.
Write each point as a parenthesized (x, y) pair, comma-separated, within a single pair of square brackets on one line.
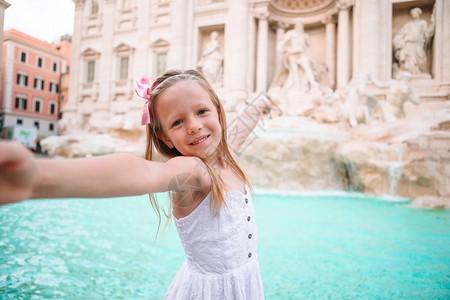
[(191, 174)]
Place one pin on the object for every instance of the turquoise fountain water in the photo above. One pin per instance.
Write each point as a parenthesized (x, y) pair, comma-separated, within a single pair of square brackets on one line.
[(344, 246)]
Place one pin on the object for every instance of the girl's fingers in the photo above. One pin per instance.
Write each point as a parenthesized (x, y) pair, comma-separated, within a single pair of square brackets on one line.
[(11, 152)]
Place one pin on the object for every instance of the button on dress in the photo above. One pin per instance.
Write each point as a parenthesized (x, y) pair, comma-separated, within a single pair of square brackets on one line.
[(221, 260)]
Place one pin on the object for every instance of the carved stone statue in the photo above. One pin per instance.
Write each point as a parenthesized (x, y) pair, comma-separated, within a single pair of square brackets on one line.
[(361, 106), (410, 44), (211, 61), (398, 93), (358, 102), (296, 72)]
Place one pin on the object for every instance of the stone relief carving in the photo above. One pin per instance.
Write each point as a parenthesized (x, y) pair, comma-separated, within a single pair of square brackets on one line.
[(211, 60), (410, 44), (300, 5)]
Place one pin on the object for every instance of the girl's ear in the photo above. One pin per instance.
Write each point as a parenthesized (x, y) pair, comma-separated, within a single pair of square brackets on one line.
[(165, 139)]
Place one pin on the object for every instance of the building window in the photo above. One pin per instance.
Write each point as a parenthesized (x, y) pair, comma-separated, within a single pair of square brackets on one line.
[(94, 7), (23, 57), (52, 108), (124, 56), (53, 87), (21, 103), (39, 83), (37, 105), (55, 67), (161, 63), (39, 62), (89, 56), (51, 127), (22, 79), (36, 124), (90, 71), (123, 74), (19, 122)]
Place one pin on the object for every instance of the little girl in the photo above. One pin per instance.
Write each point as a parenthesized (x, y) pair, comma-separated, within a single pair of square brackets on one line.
[(211, 203)]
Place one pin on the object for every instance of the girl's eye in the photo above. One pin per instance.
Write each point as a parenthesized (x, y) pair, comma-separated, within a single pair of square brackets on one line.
[(176, 123), (202, 111)]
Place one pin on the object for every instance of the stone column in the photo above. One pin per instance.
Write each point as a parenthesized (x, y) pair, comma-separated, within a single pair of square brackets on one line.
[(141, 60), (262, 52), (251, 59), (367, 38), (445, 46), (176, 57), (441, 59), (343, 47), (330, 44), (106, 75), (76, 64), (236, 32)]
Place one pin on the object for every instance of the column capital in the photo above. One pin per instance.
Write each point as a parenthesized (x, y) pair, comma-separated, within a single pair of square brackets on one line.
[(330, 18), (79, 4), (344, 4), (262, 15), (279, 23)]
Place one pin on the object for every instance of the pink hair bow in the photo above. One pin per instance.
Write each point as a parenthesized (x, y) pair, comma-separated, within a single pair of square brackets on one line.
[(142, 89)]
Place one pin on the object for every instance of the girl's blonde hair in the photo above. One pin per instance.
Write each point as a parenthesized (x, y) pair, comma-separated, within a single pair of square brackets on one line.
[(154, 131)]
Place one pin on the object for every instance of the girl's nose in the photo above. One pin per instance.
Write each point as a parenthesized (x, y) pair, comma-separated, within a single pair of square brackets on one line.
[(194, 126)]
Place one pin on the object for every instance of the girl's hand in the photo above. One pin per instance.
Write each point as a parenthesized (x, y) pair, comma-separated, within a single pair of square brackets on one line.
[(264, 105), (17, 172)]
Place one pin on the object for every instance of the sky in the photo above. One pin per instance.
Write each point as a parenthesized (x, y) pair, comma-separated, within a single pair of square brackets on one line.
[(46, 20)]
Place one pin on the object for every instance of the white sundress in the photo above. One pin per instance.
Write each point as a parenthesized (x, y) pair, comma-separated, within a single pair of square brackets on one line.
[(221, 260)]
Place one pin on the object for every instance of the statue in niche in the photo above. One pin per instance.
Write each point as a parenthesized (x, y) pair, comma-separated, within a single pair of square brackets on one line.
[(410, 44), (296, 72), (211, 61)]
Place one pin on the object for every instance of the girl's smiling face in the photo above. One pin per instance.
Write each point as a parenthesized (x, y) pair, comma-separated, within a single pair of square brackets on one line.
[(189, 120)]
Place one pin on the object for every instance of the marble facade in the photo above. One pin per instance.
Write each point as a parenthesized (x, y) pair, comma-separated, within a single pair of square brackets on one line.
[(363, 126), (347, 38)]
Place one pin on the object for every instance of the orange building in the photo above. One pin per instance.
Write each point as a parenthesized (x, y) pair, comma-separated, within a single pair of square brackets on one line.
[(64, 47), (31, 74)]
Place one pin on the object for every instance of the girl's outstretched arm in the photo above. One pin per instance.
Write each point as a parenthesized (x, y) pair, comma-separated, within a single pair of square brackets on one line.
[(246, 122), (24, 177)]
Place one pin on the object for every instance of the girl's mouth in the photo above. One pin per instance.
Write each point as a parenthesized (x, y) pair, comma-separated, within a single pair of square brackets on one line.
[(200, 141)]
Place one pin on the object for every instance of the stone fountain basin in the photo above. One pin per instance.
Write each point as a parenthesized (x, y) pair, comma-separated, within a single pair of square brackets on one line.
[(407, 159)]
